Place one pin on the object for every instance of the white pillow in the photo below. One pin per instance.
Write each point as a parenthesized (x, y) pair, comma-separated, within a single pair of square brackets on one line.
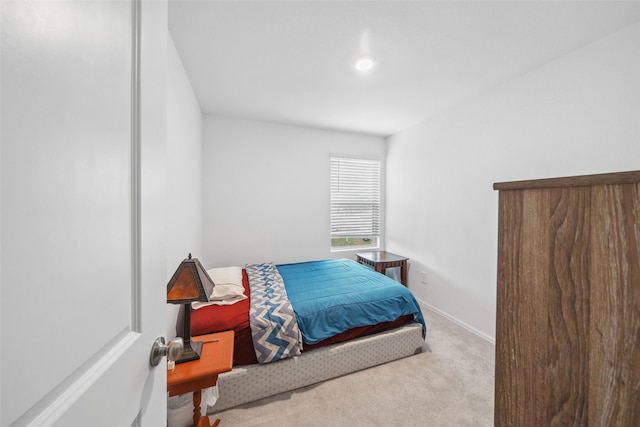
[(227, 287), (226, 275)]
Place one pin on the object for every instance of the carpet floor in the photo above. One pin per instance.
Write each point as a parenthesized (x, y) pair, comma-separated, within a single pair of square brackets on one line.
[(449, 384)]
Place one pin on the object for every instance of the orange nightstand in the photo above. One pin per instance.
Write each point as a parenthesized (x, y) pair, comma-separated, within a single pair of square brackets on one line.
[(216, 358)]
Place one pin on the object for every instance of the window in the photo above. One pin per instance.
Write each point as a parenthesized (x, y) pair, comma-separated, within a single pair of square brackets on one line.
[(355, 203)]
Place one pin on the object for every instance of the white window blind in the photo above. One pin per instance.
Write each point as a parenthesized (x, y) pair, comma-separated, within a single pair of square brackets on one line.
[(355, 197)]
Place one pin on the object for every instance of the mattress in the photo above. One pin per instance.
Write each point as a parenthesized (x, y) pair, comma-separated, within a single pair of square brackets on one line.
[(308, 284)]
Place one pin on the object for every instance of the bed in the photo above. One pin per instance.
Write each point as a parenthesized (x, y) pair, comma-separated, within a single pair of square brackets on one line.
[(348, 317)]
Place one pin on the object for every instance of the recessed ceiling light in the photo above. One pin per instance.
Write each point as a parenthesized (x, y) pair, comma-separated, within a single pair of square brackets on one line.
[(364, 63)]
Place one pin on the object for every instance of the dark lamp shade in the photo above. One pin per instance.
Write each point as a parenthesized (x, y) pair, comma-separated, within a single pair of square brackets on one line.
[(189, 283)]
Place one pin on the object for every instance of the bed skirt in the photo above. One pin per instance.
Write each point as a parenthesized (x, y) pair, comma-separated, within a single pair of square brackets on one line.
[(247, 383)]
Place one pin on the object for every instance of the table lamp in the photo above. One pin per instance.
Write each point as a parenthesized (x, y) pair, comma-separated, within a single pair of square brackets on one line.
[(189, 283)]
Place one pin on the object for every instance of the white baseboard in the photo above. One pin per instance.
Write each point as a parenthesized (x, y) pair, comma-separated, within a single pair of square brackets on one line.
[(459, 322)]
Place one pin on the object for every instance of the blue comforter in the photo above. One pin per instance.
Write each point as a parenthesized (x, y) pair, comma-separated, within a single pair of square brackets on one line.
[(333, 296)]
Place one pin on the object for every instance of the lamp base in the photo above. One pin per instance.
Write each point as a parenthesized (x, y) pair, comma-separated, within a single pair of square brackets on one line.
[(191, 351)]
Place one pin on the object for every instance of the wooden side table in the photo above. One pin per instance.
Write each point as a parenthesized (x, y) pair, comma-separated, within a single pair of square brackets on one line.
[(381, 260), (216, 358)]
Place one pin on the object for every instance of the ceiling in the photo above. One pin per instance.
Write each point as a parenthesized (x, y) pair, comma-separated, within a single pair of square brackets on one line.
[(292, 61)]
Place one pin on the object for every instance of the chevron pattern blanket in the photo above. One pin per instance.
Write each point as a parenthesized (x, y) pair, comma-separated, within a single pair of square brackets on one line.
[(273, 323)]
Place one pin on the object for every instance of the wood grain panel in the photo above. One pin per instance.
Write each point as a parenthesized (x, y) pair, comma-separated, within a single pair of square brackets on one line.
[(567, 340), (568, 307), (508, 391), (615, 330), (534, 309), (522, 299)]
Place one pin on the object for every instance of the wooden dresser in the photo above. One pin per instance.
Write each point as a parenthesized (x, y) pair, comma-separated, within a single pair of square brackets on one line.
[(568, 302)]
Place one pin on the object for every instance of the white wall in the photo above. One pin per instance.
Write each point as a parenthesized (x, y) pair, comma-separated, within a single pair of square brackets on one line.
[(184, 172), (266, 190), (579, 114)]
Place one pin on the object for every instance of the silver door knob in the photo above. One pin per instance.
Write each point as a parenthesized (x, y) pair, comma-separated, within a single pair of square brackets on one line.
[(160, 349)]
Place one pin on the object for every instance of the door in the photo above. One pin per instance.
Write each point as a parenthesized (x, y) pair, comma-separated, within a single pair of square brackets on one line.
[(83, 269)]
